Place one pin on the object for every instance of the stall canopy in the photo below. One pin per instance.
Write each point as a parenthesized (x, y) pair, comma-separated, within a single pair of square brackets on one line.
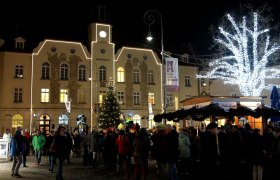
[(201, 108)]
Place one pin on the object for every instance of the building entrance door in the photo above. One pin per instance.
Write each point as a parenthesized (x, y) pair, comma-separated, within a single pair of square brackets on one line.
[(44, 124)]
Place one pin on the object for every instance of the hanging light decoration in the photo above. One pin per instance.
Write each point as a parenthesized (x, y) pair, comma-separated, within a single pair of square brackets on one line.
[(246, 66)]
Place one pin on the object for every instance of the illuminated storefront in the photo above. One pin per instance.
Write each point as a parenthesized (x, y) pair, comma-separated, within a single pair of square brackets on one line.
[(238, 108)]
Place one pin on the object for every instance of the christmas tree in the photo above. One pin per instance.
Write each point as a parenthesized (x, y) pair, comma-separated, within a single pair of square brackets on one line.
[(110, 109)]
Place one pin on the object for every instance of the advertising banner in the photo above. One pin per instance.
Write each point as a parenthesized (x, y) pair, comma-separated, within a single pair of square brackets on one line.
[(172, 75)]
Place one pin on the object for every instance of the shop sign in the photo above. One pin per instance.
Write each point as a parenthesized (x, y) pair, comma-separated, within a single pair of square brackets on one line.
[(251, 105), (226, 105)]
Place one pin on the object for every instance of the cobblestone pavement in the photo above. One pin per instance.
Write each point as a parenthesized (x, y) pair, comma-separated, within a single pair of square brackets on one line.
[(76, 171), (73, 171)]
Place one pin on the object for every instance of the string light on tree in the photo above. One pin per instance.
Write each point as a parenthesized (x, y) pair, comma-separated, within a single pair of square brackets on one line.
[(110, 109), (250, 50)]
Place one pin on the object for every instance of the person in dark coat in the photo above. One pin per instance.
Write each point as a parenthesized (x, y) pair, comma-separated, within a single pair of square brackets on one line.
[(110, 149), (276, 153), (141, 149), (235, 151), (209, 152), (61, 142), (16, 152), (160, 147), (172, 138), (25, 147), (69, 145), (258, 154)]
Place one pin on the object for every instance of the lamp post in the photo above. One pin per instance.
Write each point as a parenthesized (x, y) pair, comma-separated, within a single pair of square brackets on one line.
[(149, 19), (93, 83)]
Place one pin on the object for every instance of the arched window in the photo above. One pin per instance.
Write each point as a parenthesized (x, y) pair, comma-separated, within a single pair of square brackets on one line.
[(102, 73), (120, 74), (45, 70), (44, 123), (136, 76), (151, 77), (64, 71), (137, 119), (17, 120), (82, 73)]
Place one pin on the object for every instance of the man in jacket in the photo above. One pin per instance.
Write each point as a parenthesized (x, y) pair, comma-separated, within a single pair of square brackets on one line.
[(172, 139), (38, 143)]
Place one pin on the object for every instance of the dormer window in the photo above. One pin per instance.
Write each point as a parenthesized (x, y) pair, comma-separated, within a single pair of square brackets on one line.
[(19, 43)]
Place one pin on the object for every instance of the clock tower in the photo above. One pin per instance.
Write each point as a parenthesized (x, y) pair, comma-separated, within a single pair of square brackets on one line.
[(100, 33), (102, 55)]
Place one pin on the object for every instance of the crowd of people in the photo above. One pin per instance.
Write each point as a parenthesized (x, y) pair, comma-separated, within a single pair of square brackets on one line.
[(219, 152)]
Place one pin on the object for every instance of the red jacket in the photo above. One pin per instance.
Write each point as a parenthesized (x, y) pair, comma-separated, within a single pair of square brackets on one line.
[(123, 144)]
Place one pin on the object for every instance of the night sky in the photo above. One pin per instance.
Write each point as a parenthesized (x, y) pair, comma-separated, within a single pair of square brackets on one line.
[(185, 23)]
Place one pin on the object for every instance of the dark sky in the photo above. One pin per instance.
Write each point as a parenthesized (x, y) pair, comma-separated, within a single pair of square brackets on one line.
[(184, 22)]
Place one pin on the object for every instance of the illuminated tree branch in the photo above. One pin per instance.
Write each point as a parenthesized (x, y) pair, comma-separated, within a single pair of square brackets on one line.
[(250, 50)]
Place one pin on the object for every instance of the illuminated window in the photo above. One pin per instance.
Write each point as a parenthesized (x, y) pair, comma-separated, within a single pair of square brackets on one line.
[(120, 74), (19, 71), (45, 70), (63, 95), (64, 71), (121, 97), (81, 96), (151, 77), (45, 95), (82, 73), (17, 120), (136, 119), (151, 98), (136, 98), (136, 76), (18, 95), (169, 99), (102, 73), (187, 81), (101, 96)]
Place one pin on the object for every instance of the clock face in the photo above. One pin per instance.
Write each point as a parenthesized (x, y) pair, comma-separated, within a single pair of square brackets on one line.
[(102, 34)]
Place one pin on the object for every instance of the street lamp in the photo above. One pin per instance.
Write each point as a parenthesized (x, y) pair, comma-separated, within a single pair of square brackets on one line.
[(149, 19)]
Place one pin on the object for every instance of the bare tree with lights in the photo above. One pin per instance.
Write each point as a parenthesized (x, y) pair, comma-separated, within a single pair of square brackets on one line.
[(250, 52)]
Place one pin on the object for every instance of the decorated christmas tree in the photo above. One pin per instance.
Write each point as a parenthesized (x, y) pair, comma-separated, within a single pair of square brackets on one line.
[(110, 109)]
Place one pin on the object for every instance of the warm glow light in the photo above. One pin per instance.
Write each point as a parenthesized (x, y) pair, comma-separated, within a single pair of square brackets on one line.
[(149, 37), (246, 65)]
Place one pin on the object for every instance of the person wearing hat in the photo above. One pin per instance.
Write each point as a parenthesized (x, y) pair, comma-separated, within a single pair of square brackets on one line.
[(210, 151)]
